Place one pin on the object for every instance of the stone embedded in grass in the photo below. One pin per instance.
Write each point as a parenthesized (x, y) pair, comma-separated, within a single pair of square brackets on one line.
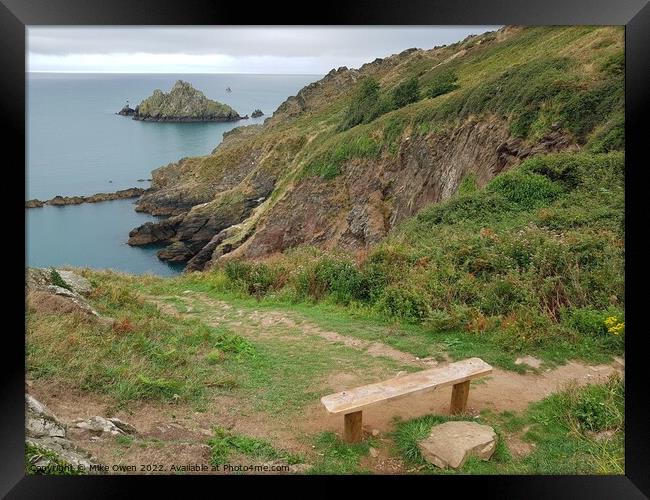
[(531, 361), (100, 425), (452, 443)]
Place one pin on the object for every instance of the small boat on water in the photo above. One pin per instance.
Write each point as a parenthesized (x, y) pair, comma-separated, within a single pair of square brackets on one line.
[(228, 89)]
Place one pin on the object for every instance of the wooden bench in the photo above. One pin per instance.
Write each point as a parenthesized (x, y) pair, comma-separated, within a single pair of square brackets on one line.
[(351, 403)]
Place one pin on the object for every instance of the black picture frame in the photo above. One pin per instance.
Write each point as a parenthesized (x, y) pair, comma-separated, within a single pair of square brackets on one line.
[(15, 15)]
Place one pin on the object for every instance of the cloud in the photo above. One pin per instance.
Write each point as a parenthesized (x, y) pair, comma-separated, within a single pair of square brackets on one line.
[(225, 49)]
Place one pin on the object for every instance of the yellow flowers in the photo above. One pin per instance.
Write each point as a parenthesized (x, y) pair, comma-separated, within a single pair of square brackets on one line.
[(614, 326)]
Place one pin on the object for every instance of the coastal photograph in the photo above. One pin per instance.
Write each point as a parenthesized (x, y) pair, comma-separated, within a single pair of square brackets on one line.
[(325, 250)]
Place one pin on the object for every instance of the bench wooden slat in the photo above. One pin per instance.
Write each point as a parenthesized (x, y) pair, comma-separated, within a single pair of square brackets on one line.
[(413, 383)]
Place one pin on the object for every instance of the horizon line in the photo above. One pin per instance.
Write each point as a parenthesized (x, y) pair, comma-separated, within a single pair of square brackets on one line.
[(169, 73)]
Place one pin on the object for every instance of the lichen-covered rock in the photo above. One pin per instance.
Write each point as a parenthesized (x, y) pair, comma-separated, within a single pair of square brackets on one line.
[(44, 431), (98, 426), (40, 421), (183, 104), (78, 283), (45, 296)]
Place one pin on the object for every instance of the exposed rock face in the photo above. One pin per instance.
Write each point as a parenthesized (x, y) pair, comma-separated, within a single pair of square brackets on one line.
[(126, 111), (359, 207), (59, 201), (43, 295), (34, 203), (452, 443), (45, 431), (153, 232), (183, 104)]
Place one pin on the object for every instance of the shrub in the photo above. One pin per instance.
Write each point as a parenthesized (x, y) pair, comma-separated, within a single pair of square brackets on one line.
[(500, 296), (256, 278), (442, 83), (57, 280), (583, 110), (526, 327), (403, 303), (406, 93), (612, 138), (367, 104), (520, 125), (526, 191), (593, 322), (468, 185)]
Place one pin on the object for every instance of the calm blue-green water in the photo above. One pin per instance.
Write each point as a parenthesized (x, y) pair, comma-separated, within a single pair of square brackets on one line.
[(77, 145)]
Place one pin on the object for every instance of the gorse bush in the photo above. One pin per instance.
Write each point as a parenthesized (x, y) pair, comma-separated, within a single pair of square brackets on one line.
[(367, 104), (442, 83), (406, 93)]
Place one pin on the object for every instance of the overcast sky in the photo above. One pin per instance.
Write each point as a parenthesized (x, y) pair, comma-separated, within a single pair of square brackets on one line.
[(283, 50)]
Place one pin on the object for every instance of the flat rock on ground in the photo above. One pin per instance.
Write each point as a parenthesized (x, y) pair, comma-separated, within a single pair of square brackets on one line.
[(531, 361), (452, 443)]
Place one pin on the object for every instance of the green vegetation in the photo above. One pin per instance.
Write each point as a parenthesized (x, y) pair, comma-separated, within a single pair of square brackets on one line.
[(328, 163), (224, 443), (366, 105), (576, 431), (442, 83), (144, 354), (406, 93), (532, 262), (338, 457), (57, 280)]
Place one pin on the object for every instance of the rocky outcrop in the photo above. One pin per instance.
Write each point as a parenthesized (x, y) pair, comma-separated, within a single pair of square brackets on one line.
[(126, 111), (370, 197), (183, 103), (153, 232), (452, 443), (49, 436), (65, 295), (257, 113), (34, 203), (59, 201)]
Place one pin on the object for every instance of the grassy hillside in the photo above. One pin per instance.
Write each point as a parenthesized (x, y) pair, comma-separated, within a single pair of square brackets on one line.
[(363, 139), (534, 259)]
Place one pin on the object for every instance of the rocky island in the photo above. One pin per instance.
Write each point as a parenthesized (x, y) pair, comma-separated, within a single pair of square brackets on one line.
[(183, 103), (257, 113), (59, 201)]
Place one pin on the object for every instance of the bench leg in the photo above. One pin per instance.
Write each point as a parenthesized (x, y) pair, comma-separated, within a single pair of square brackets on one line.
[(352, 428), (459, 397)]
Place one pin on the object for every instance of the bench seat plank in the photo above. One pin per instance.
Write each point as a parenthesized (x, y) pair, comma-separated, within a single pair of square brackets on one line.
[(413, 383)]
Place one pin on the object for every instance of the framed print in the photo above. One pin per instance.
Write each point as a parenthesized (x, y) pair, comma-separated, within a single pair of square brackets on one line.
[(392, 241)]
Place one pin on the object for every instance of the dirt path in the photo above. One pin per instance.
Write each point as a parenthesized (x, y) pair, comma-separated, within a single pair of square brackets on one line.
[(503, 390)]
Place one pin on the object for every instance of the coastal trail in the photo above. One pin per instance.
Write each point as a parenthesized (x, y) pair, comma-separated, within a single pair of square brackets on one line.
[(276, 394)]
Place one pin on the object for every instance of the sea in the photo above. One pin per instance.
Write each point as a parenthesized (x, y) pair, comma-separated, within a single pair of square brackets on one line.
[(78, 145)]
